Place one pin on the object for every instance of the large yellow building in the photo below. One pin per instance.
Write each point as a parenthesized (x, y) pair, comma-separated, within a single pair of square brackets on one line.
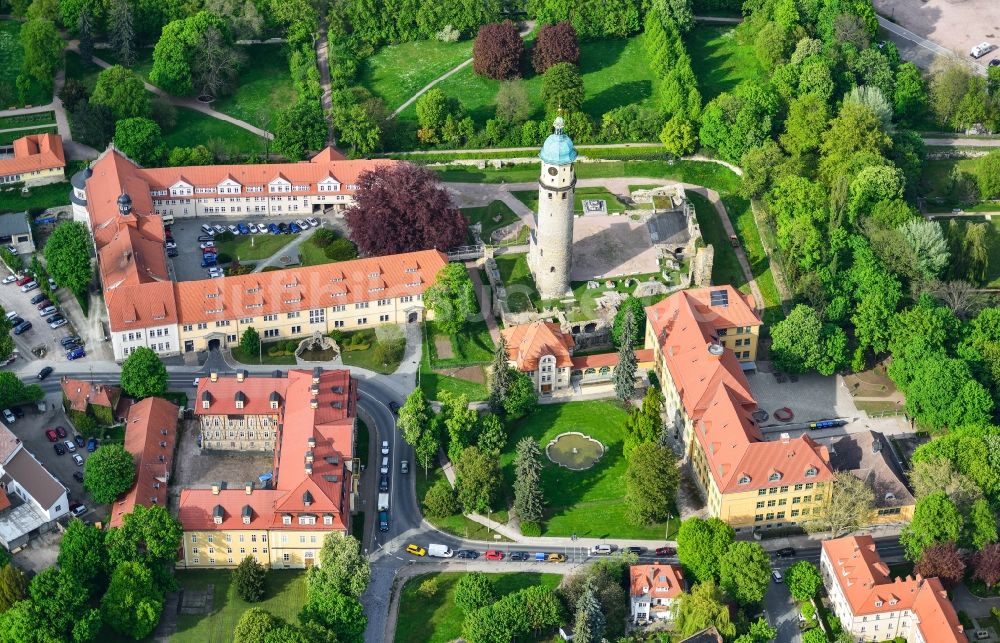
[(38, 160), (311, 491), (702, 339)]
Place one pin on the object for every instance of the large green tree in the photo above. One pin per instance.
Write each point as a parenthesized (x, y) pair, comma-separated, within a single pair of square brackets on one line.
[(802, 342), (500, 376), (529, 498), (625, 369), (177, 51), (704, 607), (141, 140), (299, 129), (651, 481), (143, 374), (522, 396), (109, 472), (250, 342), (562, 88), (67, 256), (804, 580), (988, 175), (701, 544), (255, 625), (13, 586), (644, 424), (414, 417), (42, 50), (478, 479), (846, 507), (248, 577), (123, 92), (343, 566), (745, 572), (452, 298), (147, 535), (82, 555), (340, 616), (133, 602), (13, 391), (936, 520), (588, 626), (474, 591)]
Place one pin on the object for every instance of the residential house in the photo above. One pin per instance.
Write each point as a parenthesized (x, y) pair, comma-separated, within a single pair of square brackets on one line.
[(15, 233), (31, 499), (654, 591), (312, 490), (103, 401), (873, 607), (868, 455), (150, 436), (38, 159)]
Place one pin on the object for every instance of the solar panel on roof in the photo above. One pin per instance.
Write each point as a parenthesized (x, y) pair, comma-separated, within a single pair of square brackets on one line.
[(719, 298)]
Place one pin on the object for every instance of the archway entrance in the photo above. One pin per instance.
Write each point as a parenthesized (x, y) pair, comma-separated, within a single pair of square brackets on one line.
[(214, 344), (412, 318)]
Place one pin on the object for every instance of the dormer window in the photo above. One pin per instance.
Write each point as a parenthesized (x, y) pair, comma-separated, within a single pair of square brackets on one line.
[(811, 472), (327, 519), (307, 519), (206, 399), (878, 603), (774, 477), (373, 275), (240, 399), (286, 519), (744, 479), (217, 514)]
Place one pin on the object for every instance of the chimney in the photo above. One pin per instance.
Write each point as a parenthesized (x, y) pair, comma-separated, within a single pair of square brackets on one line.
[(785, 437), (241, 375), (215, 488), (214, 376), (248, 488), (316, 373)]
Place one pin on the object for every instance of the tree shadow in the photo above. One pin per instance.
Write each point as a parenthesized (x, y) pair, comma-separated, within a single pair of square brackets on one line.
[(626, 93)]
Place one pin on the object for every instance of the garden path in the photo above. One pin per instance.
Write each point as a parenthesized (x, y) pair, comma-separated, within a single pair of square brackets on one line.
[(323, 62), (274, 260), (485, 300)]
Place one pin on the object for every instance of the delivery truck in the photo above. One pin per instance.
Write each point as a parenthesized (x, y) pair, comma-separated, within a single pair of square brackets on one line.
[(441, 551), (383, 502)]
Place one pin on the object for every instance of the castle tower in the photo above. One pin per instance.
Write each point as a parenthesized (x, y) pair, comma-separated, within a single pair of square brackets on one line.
[(550, 254)]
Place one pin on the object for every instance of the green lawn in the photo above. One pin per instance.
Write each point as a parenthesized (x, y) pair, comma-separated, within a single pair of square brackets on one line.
[(263, 86), (143, 60), (615, 73), (11, 54), (473, 345), (719, 61), (434, 383), (457, 524), (193, 128), (397, 72), (725, 266), (86, 73), (436, 619), (44, 196), (588, 503), (487, 215), (26, 120), (310, 254), (364, 357), (530, 199), (6, 138), (935, 177), (741, 216), (522, 294), (254, 247), (263, 357), (284, 596)]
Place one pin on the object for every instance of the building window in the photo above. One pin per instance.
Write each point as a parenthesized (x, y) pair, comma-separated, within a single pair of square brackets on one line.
[(760, 504)]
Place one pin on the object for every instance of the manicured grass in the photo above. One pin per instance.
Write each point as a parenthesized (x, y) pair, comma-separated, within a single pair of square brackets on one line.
[(436, 619), (434, 383), (86, 73), (457, 524), (143, 60), (935, 177), (725, 266), (397, 72), (530, 199), (522, 294), (486, 214), (263, 358), (10, 66), (193, 128), (253, 247), (311, 254), (26, 120), (741, 216), (6, 138), (720, 61), (44, 196), (615, 73), (284, 596), (364, 357), (473, 345), (264, 85), (588, 503)]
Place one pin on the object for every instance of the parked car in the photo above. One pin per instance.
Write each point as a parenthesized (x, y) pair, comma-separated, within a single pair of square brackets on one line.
[(294, 228), (284, 228), (218, 229), (207, 229), (80, 442), (383, 521), (60, 449), (385, 447), (206, 237), (494, 554), (467, 554), (785, 552), (302, 224), (43, 304), (51, 435), (273, 228), (416, 550), (77, 459), (602, 549), (23, 279), (48, 310), (556, 558), (52, 284), (8, 416), (776, 575), (69, 444), (76, 353), (15, 320), (91, 445), (243, 228), (209, 251), (170, 245), (383, 483), (518, 555), (28, 287), (313, 221), (404, 466), (666, 551), (981, 50), (232, 228), (45, 372), (37, 298), (70, 339), (207, 244), (61, 431), (995, 62), (215, 272), (18, 412), (638, 551), (208, 263), (22, 327), (57, 323), (77, 508), (78, 476), (9, 279), (394, 407), (172, 253)]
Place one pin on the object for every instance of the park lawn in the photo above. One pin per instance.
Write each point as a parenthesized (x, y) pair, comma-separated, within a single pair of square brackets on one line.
[(84, 72), (143, 60), (486, 216), (6, 138), (456, 524), (10, 66), (285, 593), (591, 503), (363, 353), (530, 199), (472, 345), (263, 358), (522, 294), (396, 72), (720, 61), (434, 383), (436, 619), (993, 266), (263, 87), (253, 247), (28, 120), (725, 266), (935, 176), (615, 73), (741, 216), (43, 196), (194, 128)]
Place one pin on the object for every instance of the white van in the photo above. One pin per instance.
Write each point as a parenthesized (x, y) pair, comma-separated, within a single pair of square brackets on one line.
[(981, 50), (440, 551), (11, 315)]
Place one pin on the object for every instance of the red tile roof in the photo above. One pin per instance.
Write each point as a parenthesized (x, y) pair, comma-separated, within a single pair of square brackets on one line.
[(865, 584), (150, 435), (33, 153), (256, 394), (528, 343), (80, 393), (642, 356), (656, 581)]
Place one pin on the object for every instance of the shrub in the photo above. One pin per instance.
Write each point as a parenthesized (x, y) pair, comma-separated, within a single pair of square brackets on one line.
[(440, 500), (556, 43), (428, 588), (225, 236), (808, 610), (448, 34), (341, 250), (324, 237), (390, 352), (497, 51), (531, 529), (249, 579)]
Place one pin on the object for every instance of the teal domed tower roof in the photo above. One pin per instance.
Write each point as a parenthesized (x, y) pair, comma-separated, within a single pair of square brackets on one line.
[(558, 148)]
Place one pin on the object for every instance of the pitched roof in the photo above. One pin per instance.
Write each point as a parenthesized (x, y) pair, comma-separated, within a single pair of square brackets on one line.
[(80, 393), (528, 343), (150, 434), (865, 455), (9, 443), (255, 393), (642, 355), (35, 478), (865, 584), (14, 223), (34, 152), (656, 581)]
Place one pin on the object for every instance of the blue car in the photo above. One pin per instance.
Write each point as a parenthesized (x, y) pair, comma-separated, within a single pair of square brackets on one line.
[(208, 263), (76, 353), (273, 228), (22, 327), (92, 445), (244, 228), (294, 228)]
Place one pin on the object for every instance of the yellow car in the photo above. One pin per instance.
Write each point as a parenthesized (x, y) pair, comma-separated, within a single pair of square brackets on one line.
[(416, 550), (556, 558)]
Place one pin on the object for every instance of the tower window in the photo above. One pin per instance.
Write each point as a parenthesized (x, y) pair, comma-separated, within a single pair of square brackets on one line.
[(552, 269), (563, 196), (550, 196)]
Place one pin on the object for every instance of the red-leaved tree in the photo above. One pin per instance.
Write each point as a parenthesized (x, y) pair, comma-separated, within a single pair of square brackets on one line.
[(403, 208), (556, 43), (986, 565), (497, 51), (943, 561)]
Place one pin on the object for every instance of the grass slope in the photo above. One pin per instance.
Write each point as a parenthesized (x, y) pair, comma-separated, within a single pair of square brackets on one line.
[(44, 196), (530, 199), (486, 214), (263, 86), (193, 128), (397, 72), (521, 291), (456, 524), (720, 61)]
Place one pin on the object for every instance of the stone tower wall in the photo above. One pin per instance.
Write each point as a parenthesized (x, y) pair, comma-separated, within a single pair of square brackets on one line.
[(551, 253)]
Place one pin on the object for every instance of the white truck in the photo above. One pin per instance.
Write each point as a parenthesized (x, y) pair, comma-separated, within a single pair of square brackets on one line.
[(441, 551), (383, 502)]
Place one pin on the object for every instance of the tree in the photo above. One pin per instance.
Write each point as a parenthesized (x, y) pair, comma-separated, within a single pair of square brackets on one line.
[(950, 82), (804, 580), (928, 244), (343, 566), (942, 561), (940, 474), (935, 520), (981, 526), (679, 135), (650, 483), (745, 572), (429, 444), (459, 421), (528, 496), (242, 16), (522, 398), (986, 565), (474, 591), (802, 342), (403, 208), (82, 555), (513, 103), (147, 535), (701, 544), (121, 31), (73, 93), (562, 88), (13, 586), (133, 603), (215, 64), (440, 501), (340, 615), (300, 128), (988, 175), (254, 626), (248, 577), (6, 343), (589, 624), (733, 123), (123, 92), (42, 50), (497, 51), (359, 128), (414, 416), (67, 256), (759, 632), (141, 140), (909, 99), (250, 342), (452, 298), (847, 508), (478, 479), (501, 376), (627, 366), (556, 43), (703, 607), (633, 305), (644, 424), (437, 116), (92, 125), (13, 391), (492, 437), (143, 374), (58, 602), (808, 116), (180, 50)]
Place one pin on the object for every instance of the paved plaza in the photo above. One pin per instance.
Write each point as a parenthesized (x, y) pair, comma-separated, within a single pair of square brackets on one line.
[(611, 246)]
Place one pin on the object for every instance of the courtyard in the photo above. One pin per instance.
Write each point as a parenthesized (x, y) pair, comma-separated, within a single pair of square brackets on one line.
[(611, 246), (199, 469)]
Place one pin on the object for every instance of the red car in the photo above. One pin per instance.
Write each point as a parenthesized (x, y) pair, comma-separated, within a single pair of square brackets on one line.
[(51, 435), (61, 432), (493, 554), (209, 251), (666, 551), (43, 304), (23, 280)]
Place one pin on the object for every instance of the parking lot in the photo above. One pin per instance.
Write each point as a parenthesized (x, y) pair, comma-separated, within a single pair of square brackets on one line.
[(187, 263)]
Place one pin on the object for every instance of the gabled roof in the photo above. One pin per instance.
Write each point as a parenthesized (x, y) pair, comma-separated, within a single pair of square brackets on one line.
[(528, 343), (150, 435), (80, 393), (656, 581), (34, 152)]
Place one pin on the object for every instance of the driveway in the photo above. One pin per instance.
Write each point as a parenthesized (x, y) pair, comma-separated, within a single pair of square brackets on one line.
[(782, 612)]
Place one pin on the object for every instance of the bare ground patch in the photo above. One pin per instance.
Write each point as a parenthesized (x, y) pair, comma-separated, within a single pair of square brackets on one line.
[(442, 346), (468, 373)]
